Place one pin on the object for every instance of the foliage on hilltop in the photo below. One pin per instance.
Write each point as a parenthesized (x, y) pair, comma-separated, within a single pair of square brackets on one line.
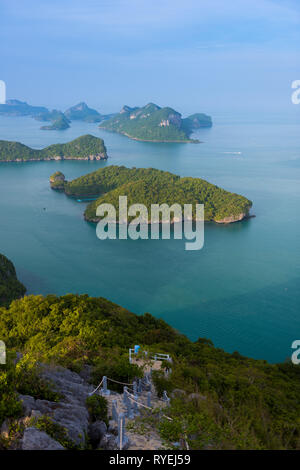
[(150, 186), (111, 177), (83, 146), (220, 400)]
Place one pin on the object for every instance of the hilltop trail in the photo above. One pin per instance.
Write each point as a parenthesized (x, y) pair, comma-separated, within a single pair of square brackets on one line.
[(71, 413), (141, 434)]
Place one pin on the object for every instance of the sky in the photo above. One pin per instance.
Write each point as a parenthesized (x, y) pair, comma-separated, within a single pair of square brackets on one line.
[(194, 55)]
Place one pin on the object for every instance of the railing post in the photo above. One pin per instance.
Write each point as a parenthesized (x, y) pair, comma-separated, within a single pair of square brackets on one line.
[(136, 407), (129, 411), (125, 395), (140, 386), (114, 411), (122, 439), (166, 398), (104, 390)]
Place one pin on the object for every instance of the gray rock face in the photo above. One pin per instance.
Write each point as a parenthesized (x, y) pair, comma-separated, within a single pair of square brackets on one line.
[(28, 404), (97, 431), (70, 412), (33, 439), (108, 442), (36, 414), (4, 430)]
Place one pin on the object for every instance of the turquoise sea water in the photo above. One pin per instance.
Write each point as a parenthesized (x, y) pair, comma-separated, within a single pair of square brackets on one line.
[(242, 289)]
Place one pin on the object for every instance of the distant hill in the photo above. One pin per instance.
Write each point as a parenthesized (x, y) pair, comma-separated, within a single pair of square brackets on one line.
[(21, 108), (49, 115), (10, 287), (155, 124), (82, 112), (59, 124), (86, 147), (150, 186)]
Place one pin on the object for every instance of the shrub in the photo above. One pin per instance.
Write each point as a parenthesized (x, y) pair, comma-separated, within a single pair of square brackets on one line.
[(97, 408), (54, 430), (116, 368), (29, 382)]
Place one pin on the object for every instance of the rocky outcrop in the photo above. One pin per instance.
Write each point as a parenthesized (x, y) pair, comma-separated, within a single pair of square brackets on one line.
[(173, 118), (96, 431), (57, 181), (232, 218), (10, 287), (70, 412), (34, 439)]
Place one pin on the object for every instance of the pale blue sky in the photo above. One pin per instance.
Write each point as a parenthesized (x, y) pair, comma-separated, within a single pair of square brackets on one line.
[(195, 55)]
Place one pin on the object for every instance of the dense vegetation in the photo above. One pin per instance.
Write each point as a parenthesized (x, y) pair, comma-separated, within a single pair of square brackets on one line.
[(57, 180), (82, 147), (150, 186), (152, 123), (10, 287), (22, 377), (221, 400)]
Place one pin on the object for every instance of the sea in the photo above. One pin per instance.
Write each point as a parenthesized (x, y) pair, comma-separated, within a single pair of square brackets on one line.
[(241, 290)]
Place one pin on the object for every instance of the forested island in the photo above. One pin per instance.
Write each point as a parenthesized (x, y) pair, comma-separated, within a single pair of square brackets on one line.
[(81, 112), (60, 123), (21, 108), (218, 400), (86, 147), (60, 120), (10, 287), (155, 124), (150, 186)]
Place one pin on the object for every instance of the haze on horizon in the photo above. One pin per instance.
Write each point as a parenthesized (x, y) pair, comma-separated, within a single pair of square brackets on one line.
[(194, 56)]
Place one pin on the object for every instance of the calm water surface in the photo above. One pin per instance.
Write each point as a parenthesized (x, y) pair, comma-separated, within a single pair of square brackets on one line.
[(241, 290)]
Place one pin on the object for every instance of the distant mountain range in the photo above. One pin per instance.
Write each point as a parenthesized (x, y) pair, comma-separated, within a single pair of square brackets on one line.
[(148, 123), (21, 108), (156, 124), (60, 120)]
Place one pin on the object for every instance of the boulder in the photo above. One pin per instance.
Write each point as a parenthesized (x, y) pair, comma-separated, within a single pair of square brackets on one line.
[(97, 431), (177, 392), (28, 404), (74, 418), (33, 439), (108, 442), (57, 180), (4, 431), (196, 396), (35, 414)]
